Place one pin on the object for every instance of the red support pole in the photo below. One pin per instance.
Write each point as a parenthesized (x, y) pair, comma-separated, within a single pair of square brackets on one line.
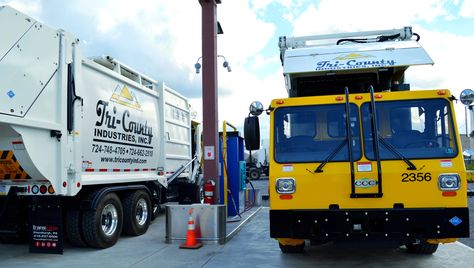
[(209, 93)]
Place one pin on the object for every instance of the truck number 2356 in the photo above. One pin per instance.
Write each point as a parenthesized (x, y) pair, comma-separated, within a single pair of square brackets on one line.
[(413, 177)]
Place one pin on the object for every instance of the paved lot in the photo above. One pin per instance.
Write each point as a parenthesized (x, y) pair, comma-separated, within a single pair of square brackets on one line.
[(470, 241), (251, 247)]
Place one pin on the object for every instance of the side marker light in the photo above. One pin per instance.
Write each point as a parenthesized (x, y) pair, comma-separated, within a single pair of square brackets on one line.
[(449, 193)]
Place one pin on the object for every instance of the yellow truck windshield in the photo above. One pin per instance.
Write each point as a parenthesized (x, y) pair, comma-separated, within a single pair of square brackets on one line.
[(417, 129), (312, 133), (414, 129)]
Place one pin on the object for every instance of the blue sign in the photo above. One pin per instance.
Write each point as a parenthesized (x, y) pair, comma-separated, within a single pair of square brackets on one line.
[(455, 221), (11, 94)]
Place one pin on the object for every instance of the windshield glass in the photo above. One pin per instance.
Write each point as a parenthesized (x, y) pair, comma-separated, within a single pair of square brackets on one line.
[(312, 133), (415, 128)]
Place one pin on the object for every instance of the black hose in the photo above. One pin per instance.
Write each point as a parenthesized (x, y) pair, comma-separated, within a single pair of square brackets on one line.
[(381, 38), (417, 37), (353, 40), (384, 38)]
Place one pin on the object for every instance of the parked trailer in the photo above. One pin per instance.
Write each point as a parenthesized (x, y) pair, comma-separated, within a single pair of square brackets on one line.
[(88, 147)]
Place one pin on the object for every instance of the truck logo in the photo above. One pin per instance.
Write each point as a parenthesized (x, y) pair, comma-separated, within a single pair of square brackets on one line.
[(110, 118), (122, 95), (353, 61), (365, 183), (353, 56)]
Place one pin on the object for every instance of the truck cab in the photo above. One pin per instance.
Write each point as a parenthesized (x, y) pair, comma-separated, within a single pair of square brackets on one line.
[(354, 154)]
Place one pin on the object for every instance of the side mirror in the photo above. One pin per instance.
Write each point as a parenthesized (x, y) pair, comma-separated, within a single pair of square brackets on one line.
[(252, 133), (467, 97), (256, 108)]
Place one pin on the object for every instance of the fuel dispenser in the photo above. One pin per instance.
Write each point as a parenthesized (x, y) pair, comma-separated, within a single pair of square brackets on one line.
[(232, 170)]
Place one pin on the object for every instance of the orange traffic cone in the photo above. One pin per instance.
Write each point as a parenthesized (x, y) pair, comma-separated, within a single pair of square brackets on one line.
[(191, 242)]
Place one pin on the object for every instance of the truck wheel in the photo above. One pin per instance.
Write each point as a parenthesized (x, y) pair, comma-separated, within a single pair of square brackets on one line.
[(254, 174), (291, 249), (136, 212), (103, 226), (422, 247), (74, 228), (20, 237)]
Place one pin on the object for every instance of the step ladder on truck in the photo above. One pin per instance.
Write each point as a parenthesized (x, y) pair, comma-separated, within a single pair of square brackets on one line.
[(355, 154)]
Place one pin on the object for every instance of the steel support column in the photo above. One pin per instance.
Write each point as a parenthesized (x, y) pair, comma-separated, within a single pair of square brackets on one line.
[(209, 93)]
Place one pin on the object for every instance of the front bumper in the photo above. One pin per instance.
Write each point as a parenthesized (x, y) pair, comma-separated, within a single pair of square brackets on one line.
[(350, 224)]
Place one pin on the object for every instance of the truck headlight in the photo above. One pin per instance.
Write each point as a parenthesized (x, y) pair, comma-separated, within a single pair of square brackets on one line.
[(285, 185), (449, 182)]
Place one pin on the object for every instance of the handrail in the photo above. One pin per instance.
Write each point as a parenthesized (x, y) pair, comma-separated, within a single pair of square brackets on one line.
[(349, 139), (224, 155), (376, 140)]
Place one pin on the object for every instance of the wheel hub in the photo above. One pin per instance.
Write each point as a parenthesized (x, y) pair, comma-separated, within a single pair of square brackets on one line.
[(141, 215), (109, 217)]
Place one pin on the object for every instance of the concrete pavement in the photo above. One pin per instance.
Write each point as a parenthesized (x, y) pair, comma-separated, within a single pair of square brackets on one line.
[(251, 247)]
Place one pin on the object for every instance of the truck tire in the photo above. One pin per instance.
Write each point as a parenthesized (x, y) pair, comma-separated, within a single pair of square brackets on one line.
[(254, 174), (422, 247), (20, 237), (74, 228), (291, 249), (137, 212), (102, 227)]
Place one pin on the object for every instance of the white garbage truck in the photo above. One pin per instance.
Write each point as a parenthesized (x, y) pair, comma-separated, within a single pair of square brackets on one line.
[(89, 147)]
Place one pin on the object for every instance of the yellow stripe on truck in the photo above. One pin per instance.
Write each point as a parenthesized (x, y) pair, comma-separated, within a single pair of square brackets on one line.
[(10, 169)]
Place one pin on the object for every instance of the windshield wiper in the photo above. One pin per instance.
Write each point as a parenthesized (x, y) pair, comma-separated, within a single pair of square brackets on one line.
[(330, 156), (397, 153)]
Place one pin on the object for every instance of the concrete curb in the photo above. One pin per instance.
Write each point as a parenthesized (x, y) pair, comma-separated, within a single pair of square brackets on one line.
[(241, 225)]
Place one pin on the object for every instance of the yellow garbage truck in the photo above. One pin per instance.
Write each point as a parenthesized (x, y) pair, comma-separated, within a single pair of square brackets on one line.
[(354, 154)]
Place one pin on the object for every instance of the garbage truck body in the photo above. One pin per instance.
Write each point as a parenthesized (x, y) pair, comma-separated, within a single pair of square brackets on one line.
[(90, 140), (354, 154)]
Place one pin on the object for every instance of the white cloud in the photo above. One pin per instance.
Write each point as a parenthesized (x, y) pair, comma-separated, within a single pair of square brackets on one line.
[(467, 9), (32, 7), (244, 34), (346, 15), (258, 5)]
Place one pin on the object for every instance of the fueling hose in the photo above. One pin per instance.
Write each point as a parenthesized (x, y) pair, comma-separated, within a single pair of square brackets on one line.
[(229, 192), (247, 208)]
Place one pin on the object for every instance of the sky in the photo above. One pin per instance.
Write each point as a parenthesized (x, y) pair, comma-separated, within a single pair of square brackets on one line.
[(162, 39)]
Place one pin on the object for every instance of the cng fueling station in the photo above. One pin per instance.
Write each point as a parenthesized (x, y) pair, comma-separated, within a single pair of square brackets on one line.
[(121, 152), (224, 165), (218, 220)]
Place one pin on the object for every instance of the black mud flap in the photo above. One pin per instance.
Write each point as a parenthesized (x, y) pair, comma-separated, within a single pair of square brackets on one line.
[(45, 225), (188, 193)]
